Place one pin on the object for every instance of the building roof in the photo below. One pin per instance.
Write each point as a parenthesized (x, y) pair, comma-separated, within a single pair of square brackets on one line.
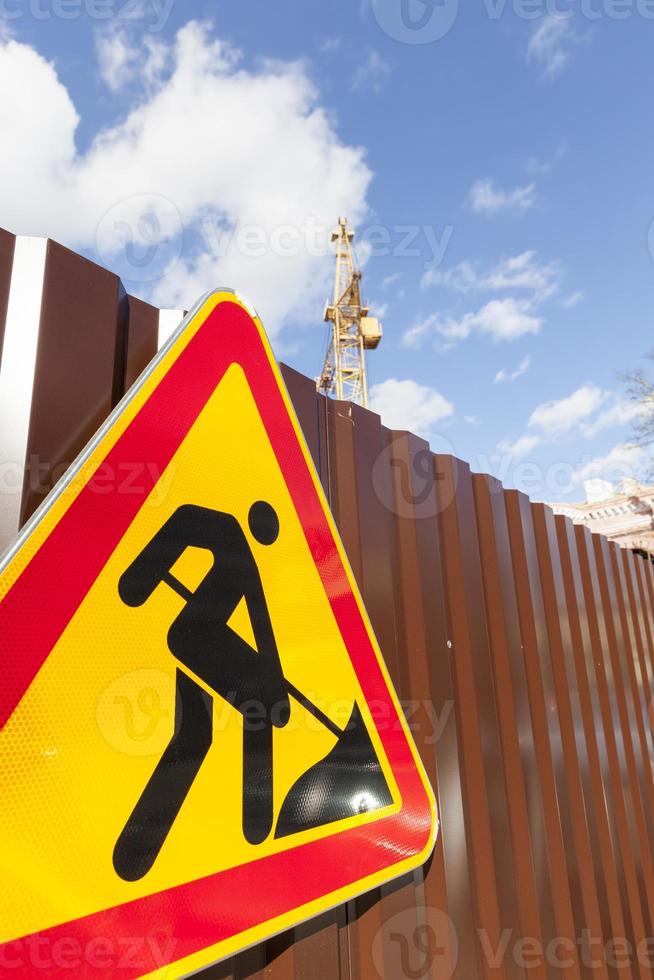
[(626, 517)]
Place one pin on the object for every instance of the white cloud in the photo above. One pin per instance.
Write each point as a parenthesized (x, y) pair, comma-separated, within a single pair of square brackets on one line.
[(619, 411), (41, 120), (330, 44), (521, 447), (416, 335), (371, 74), (551, 43), (507, 319), (409, 405), (586, 412), (554, 418), (486, 198), (523, 271), (463, 277), (115, 59), (203, 143), (121, 61), (521, 369), (569, 302), (598, 490), (517, 272), (538, 166), (501, 319), (589, 410), (623, 462), (389, 280), (378, 308)]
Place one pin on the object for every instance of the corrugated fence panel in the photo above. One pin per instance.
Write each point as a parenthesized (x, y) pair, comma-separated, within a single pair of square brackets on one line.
[(485, 804), (523, 787), (589, 903), (545, 725), (75, 374), (597, 784), (7, 244), (521, 648), (142, 340), (608, 735), (426, 691), (365, 916)]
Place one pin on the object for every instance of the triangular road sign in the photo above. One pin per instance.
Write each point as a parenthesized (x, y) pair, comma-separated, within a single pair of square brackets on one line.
[(199, 742)]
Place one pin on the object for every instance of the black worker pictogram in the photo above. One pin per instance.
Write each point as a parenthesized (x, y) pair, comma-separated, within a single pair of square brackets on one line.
[(349, 780)]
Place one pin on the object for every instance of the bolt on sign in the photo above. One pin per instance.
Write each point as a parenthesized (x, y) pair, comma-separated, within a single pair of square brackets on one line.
[(188, 748)]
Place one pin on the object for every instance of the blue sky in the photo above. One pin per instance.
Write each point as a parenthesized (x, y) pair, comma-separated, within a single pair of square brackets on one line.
[(499, 175)]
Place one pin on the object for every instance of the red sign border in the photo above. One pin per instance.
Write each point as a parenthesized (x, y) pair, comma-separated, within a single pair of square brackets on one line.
[(208, 911)]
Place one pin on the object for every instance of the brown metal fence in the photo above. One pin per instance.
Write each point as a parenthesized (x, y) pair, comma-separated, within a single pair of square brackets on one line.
[(522, 648)]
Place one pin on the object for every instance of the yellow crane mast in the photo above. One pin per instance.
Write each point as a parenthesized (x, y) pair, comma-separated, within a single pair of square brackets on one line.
[(353, 331)]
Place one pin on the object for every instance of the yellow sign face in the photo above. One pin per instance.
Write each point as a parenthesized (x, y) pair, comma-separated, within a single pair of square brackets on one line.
[(189, 751)]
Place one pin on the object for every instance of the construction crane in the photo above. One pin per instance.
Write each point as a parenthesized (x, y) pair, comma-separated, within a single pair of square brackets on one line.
[(353, 331)]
